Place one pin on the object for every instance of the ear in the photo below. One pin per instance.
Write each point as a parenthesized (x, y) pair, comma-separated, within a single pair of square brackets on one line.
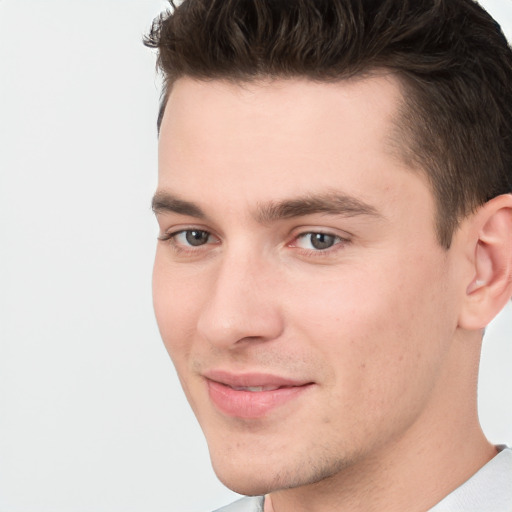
[(490, 246)]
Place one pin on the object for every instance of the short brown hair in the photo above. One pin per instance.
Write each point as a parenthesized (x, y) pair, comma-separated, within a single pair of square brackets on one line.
[(450, 55)]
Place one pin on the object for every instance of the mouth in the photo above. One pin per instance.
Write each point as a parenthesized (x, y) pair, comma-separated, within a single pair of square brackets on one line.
[(255, 389), (252, 396)]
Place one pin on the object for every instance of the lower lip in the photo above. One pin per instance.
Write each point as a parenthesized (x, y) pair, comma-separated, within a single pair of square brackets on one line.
[(251, 404)]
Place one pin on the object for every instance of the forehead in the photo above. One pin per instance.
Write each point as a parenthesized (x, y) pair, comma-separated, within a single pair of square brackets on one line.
[(279, 138), (283, 104)]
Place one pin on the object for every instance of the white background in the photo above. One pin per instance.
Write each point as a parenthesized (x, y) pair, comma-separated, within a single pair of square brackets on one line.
[(91, 414)]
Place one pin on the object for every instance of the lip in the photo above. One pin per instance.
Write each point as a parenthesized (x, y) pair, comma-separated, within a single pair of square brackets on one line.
[(252, 395)]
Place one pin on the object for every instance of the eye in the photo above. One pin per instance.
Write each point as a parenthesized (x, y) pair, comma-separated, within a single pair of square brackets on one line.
[(192, 237), (189, 238), (317, 241)]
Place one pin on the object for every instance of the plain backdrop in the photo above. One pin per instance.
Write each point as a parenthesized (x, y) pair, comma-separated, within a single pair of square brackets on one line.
[(91, 414)]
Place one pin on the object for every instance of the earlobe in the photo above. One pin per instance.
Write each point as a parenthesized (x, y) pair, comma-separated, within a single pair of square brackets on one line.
[(491, 285)]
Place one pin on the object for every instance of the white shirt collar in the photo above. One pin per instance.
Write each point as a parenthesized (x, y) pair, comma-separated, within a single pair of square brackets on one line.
[(489, 489)]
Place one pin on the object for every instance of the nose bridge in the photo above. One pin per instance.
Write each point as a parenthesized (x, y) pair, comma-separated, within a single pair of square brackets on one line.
[(242, 302)]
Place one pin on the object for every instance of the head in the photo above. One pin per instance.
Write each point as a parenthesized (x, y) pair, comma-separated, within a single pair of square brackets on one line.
[(335, 224)]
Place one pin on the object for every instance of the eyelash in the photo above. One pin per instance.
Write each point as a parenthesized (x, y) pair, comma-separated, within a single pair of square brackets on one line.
[(339, 243), (180, 248)]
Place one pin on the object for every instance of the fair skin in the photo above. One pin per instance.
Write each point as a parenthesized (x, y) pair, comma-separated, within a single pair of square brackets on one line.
[(326, 342)]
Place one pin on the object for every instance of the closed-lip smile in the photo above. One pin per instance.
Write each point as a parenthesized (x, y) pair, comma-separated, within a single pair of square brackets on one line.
[(251, 395)]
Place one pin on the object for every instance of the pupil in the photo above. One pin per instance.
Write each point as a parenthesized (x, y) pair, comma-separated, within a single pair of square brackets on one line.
[(196, 238), (322, 241)]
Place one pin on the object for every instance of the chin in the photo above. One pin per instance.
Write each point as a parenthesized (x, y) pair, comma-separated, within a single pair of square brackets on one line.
[(247, 486), (253, 477), (245, 479)]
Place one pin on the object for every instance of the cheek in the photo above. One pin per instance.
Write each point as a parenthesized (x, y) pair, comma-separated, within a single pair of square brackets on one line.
[(174, 300), (378, 330)]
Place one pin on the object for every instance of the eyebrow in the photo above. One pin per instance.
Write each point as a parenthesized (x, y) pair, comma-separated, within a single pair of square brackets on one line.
[(327, 203), (164, 202)]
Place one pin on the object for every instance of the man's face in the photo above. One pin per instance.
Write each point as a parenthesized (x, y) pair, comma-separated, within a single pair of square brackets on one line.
[(298, 285)]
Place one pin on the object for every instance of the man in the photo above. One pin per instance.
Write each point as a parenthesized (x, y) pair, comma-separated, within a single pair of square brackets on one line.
[(335, 213)]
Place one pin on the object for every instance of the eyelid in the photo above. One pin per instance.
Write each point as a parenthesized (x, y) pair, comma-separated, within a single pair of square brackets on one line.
[(180, 228), (309, 230), (341, 241), (171, 234)]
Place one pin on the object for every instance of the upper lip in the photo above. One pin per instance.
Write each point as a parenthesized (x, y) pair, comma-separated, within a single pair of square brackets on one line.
[(252, 379)]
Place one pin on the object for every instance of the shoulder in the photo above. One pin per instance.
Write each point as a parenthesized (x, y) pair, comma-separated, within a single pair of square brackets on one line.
[(248, 504)]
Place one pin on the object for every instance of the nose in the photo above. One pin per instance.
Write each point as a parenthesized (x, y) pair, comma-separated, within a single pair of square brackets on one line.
[(241, 304)]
